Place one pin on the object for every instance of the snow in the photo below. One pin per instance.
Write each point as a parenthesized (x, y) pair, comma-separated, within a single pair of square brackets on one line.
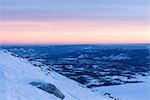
[(83, 56), (134, 91), (70, 58), (16, 74), (117, 57)]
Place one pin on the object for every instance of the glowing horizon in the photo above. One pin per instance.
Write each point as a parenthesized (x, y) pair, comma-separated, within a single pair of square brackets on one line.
[(65, 26)]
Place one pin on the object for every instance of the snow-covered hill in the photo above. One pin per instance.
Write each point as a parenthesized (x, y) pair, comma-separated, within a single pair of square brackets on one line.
[(134, 91), (16, 74)]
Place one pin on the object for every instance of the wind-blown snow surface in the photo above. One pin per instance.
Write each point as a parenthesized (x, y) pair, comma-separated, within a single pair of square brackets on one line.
[(17, 73), (134, 91)]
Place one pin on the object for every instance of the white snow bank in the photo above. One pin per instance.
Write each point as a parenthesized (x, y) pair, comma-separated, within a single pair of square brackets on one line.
[(134, 91), (16, 73)]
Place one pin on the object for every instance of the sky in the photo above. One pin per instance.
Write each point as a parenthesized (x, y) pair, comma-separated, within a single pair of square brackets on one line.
[(74, 21)]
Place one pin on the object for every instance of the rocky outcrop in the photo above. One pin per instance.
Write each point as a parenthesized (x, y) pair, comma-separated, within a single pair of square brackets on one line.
[(50, 88)]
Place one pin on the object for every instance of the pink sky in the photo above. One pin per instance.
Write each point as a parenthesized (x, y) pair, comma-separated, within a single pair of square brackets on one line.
[(72, 32), (74, 21)]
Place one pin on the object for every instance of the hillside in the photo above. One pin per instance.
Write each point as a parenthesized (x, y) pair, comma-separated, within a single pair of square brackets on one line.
[(16, 74)]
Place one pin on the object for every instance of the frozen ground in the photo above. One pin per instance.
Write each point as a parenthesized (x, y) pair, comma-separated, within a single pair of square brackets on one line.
[(90, 65), (109, 77), (134, 91), (16, 74)]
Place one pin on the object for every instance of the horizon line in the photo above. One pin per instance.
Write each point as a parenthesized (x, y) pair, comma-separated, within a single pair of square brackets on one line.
[(76, 44)]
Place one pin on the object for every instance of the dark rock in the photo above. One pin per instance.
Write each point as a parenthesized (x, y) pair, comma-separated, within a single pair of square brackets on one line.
[(50, 88)]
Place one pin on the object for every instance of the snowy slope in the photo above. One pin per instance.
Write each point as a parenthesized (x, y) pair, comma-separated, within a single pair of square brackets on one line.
[(134, 91), (17, 73)]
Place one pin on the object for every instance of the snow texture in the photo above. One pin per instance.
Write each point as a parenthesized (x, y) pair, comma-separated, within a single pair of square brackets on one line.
[(134, 91), (16, 74)]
